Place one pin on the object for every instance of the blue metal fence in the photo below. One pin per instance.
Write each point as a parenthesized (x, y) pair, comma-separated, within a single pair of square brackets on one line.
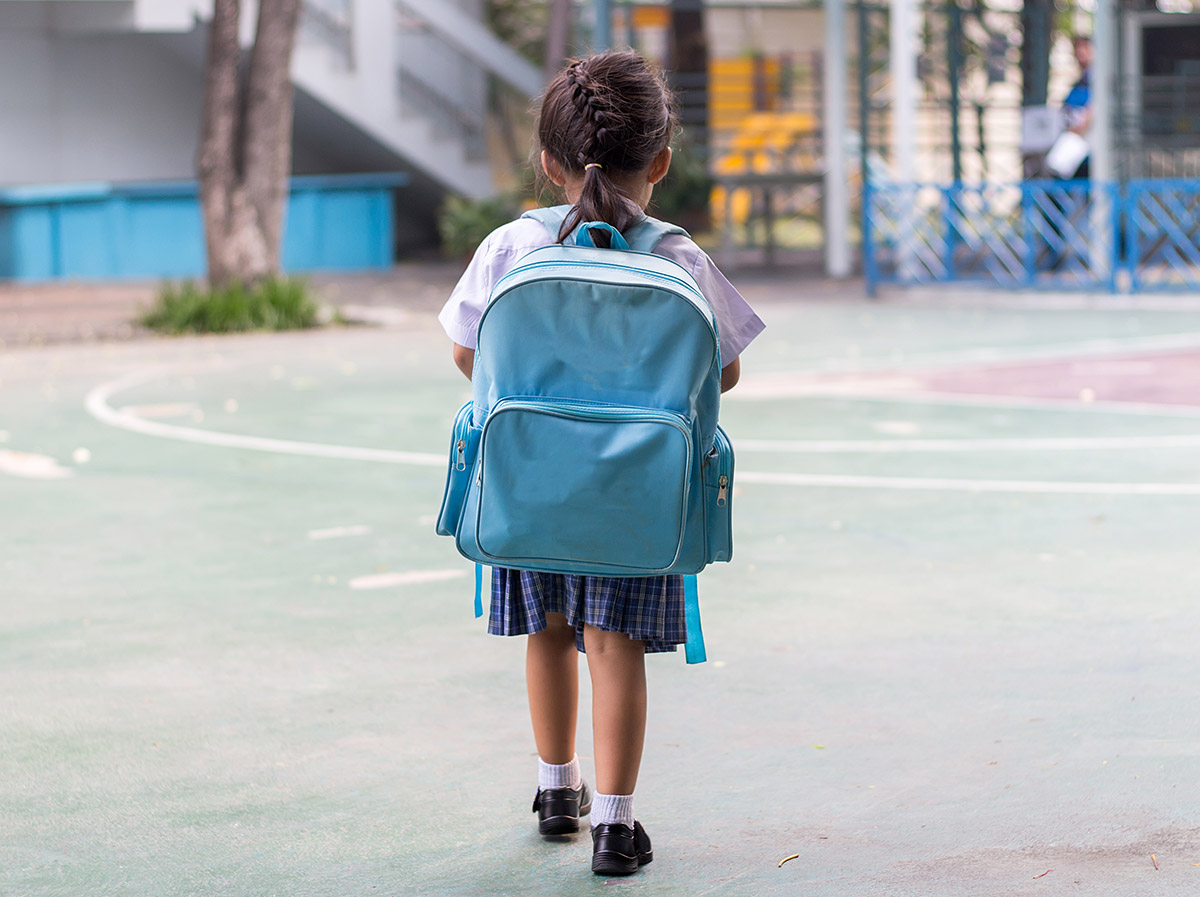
[(1058, 235), (1162, 235)]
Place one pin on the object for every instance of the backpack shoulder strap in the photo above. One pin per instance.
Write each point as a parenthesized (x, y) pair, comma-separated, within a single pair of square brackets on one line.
[(695, 635), (642, 236), (551, 218)]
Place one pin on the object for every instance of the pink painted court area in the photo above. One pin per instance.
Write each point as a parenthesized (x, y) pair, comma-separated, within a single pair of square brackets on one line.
[(1159, 378)]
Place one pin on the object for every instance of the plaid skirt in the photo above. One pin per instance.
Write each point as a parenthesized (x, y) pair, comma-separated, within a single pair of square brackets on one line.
[(649, 608)]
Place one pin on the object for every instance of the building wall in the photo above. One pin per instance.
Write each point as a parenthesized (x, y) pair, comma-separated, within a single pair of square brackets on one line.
[(101, 107)]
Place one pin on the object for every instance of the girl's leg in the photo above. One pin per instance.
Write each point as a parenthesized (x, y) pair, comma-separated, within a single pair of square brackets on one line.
[(552, 680), (617, 665)]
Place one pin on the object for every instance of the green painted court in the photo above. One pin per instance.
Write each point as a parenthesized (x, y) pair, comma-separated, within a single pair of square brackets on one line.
[(955, 653)]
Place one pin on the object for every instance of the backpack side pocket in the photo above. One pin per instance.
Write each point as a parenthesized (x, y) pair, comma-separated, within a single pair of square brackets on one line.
[(464, 443), (718, 498)]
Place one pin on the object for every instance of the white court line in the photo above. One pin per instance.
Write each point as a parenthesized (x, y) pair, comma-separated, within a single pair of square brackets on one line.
[(870, 392), (945, 485), (411, 577), (901, 446), (340, 532), (176, 409), (1007, 355), (98, 406), (1020, 403)]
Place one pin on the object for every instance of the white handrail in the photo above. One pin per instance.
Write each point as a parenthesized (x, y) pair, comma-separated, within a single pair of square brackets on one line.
[(474, 40)]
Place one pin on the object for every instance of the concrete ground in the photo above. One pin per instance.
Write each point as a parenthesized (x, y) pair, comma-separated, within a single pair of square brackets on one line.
[(954, 654)]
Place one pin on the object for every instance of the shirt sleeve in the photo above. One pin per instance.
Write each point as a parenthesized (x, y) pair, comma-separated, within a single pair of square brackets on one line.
[(461, 313), (493, 259), (737, 324)]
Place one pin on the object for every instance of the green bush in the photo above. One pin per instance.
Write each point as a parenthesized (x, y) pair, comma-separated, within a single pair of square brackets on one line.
[(274, 304), (463, 223)]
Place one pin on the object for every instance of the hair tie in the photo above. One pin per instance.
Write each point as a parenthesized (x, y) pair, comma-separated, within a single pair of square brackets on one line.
[(593, 165)]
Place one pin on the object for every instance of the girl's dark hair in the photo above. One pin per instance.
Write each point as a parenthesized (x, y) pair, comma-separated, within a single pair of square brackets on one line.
[(613, 109)]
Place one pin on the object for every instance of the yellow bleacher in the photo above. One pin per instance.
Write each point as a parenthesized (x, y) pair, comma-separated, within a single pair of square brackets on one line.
[(747, 140)]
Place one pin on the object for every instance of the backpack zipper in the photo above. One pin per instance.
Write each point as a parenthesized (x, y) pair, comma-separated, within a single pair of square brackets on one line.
[(590, 410), (564, 264), (706, 310), (462, 427), (722, 441), (583, 409)]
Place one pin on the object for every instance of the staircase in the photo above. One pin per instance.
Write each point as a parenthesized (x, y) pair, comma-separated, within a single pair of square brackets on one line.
[(380, 83), (415, 76)]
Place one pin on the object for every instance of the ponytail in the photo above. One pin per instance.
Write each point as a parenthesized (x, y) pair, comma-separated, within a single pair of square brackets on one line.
[(599, 200)]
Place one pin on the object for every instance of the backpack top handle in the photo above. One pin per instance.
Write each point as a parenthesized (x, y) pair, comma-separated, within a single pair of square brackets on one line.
[(583, 236)]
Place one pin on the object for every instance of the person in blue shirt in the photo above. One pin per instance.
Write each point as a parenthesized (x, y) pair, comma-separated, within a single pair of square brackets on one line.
[(1076, 108)]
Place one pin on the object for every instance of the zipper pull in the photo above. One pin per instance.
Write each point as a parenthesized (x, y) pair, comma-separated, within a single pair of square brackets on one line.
[(462, 454), (722, 491)]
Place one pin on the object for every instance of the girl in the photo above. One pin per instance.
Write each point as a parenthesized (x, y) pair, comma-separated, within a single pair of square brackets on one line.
[(604, 128)]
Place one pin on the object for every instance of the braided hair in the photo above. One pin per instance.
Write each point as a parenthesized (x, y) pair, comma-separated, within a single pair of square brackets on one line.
[(602, 118)]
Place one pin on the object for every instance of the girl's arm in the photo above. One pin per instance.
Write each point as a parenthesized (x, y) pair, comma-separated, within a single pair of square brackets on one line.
[(464, 358), (730, 374)]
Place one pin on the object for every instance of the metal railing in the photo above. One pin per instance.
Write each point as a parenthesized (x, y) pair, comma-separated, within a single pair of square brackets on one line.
[(1139, 236), (1161, 220), (330, 23), (448, 65), (440, 82)]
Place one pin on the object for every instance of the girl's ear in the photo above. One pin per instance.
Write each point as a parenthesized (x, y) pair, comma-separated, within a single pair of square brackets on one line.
[(552, 169), (660, 166)]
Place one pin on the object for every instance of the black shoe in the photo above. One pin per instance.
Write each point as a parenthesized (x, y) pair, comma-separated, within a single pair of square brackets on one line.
[(559, 809), (619, 850)]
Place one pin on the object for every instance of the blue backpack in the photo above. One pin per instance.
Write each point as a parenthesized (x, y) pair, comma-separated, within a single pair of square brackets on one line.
[(591, 445)]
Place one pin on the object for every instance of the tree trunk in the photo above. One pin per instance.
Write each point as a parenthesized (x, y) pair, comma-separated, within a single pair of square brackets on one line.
[(267, 151), (216, 165), (245, 144)]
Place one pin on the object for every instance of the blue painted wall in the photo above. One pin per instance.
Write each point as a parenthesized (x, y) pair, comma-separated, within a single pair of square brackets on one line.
[(140, 231)]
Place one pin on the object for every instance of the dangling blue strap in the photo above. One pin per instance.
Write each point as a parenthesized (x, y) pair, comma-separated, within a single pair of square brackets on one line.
[(691, 612), (478, 591)]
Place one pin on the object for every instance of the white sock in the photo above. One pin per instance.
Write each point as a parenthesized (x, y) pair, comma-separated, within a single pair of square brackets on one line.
[(559, 775), (612, 808)]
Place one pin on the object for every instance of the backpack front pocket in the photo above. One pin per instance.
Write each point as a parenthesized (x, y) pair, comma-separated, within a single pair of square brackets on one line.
[(585, 486)]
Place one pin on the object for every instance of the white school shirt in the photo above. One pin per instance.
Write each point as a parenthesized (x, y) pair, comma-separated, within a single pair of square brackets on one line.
[(737, 324)]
